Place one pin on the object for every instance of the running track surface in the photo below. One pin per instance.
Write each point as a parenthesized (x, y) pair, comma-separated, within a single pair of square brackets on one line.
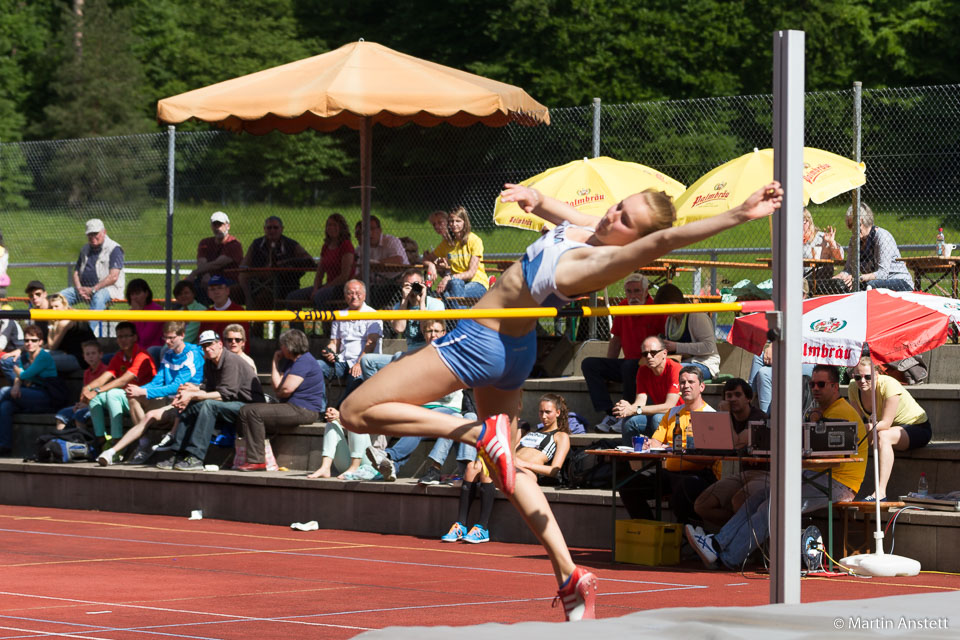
[(113, 576)]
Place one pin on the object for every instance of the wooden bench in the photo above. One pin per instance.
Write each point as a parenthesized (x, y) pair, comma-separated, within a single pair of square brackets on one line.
[(868, 509)]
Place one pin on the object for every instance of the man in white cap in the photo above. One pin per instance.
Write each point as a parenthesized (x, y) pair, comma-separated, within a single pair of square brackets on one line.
[(98, 276), (216, 253)]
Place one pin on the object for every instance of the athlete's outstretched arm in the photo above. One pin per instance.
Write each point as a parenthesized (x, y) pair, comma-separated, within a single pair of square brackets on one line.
[(550, 209), (591, 269)]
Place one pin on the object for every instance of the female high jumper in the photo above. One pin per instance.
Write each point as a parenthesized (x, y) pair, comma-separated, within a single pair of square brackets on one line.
[(494, 356)]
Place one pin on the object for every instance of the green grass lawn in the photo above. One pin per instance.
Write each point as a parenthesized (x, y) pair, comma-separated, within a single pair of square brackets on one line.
[(57, 236)]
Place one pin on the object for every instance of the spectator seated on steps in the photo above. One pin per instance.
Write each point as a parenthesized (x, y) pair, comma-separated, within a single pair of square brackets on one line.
[(229, 384), (350, 339), (628, 334), (273, 250), (79, 413), (902, 424), (689, 335), (658, 391), (414, 297), (106, 395), (182, 364), (386, 255), (880, 267), (98, 276), (216, 253), (218, 288), (35, 388), (686, 479), (718, 502), (298, 382)]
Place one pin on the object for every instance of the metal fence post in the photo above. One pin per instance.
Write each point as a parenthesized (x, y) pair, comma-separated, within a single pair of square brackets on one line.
[(592, 321), (171, 151), (857, 140)]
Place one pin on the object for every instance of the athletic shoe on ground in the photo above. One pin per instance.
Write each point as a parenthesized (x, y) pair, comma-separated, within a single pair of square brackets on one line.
[(105, 459), (702, 544), (609, 424), (383, 463), (431, 477), (497, 451), (456, 533), (578, 596), (189, 463), (165, 464), (363, 472), (477, 535)]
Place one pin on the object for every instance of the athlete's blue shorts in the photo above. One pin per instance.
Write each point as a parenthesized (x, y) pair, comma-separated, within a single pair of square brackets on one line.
[(481, 357)]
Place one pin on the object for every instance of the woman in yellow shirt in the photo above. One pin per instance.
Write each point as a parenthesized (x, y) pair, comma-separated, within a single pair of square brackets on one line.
[(901, 423), (461, 257)]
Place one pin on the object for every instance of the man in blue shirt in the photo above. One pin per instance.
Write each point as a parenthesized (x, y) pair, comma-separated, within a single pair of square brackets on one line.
[(181, 363), (98, 276)]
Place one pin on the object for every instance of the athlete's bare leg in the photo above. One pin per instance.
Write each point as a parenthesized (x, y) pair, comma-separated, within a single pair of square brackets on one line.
[(389, 402), (527, 496)]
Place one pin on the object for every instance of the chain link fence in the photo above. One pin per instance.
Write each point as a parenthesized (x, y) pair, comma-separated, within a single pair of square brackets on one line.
[(48, 189)]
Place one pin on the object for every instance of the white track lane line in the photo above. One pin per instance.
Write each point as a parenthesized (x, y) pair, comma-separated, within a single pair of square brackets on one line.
[(338, 557)]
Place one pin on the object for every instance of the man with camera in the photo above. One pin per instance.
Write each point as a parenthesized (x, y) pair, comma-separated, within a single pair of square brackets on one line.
[(415, 297)]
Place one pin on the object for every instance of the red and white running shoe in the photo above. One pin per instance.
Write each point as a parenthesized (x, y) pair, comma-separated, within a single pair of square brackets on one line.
[(496, 448), (579, 596)]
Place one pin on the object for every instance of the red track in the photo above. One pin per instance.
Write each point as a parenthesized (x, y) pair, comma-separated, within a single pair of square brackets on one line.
[(118, 576)]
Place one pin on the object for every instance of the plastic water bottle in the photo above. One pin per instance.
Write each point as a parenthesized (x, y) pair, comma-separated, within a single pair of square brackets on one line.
[(940, 241), (922, 488)]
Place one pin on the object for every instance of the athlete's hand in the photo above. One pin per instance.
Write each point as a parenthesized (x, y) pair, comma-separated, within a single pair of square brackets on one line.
[(526, 198), (763, 202)]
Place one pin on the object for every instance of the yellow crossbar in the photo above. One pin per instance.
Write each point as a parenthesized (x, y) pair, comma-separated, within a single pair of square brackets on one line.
[(116, 315)]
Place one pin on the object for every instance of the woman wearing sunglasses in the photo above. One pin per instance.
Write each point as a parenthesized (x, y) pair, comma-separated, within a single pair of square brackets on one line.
[(235, 340), (902, 424), (36, 387)]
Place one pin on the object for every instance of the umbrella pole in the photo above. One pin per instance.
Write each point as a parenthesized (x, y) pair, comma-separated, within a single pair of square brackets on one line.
[(366, 152), (878, 563)]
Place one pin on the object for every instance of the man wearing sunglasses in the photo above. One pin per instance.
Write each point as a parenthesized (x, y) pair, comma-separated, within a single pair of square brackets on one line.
[(749, 526), (657, 392), (628, 334), (273, 250)]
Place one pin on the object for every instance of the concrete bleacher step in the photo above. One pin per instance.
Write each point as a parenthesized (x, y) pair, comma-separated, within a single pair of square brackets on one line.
[(281, 498)]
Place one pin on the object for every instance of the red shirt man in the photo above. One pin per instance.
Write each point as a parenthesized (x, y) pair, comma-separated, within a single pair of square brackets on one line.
[(218, 252)]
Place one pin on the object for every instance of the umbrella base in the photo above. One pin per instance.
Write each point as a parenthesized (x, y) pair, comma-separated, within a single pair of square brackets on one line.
[(881, 565)]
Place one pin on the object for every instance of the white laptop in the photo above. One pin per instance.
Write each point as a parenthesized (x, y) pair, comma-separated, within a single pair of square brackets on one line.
[(712, 431)]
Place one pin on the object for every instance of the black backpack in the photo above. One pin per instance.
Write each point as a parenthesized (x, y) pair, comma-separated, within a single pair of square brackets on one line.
[(582, 470), (68, 444)]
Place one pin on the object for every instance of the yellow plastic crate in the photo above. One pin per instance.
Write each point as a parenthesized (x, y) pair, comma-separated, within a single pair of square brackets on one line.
[(648, 542)]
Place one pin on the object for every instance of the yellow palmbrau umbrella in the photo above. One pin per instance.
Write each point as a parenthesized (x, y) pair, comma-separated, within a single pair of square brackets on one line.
[(590, 185), (825, 175)]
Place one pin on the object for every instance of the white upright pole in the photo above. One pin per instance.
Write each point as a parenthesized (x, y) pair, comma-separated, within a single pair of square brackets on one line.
[(785, 460)]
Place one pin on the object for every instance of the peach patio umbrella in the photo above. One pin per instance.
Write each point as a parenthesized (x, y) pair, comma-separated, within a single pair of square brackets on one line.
[(358, 85)]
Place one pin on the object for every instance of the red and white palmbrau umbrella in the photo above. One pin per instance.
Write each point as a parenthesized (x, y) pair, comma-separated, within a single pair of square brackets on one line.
[(896, 325)]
